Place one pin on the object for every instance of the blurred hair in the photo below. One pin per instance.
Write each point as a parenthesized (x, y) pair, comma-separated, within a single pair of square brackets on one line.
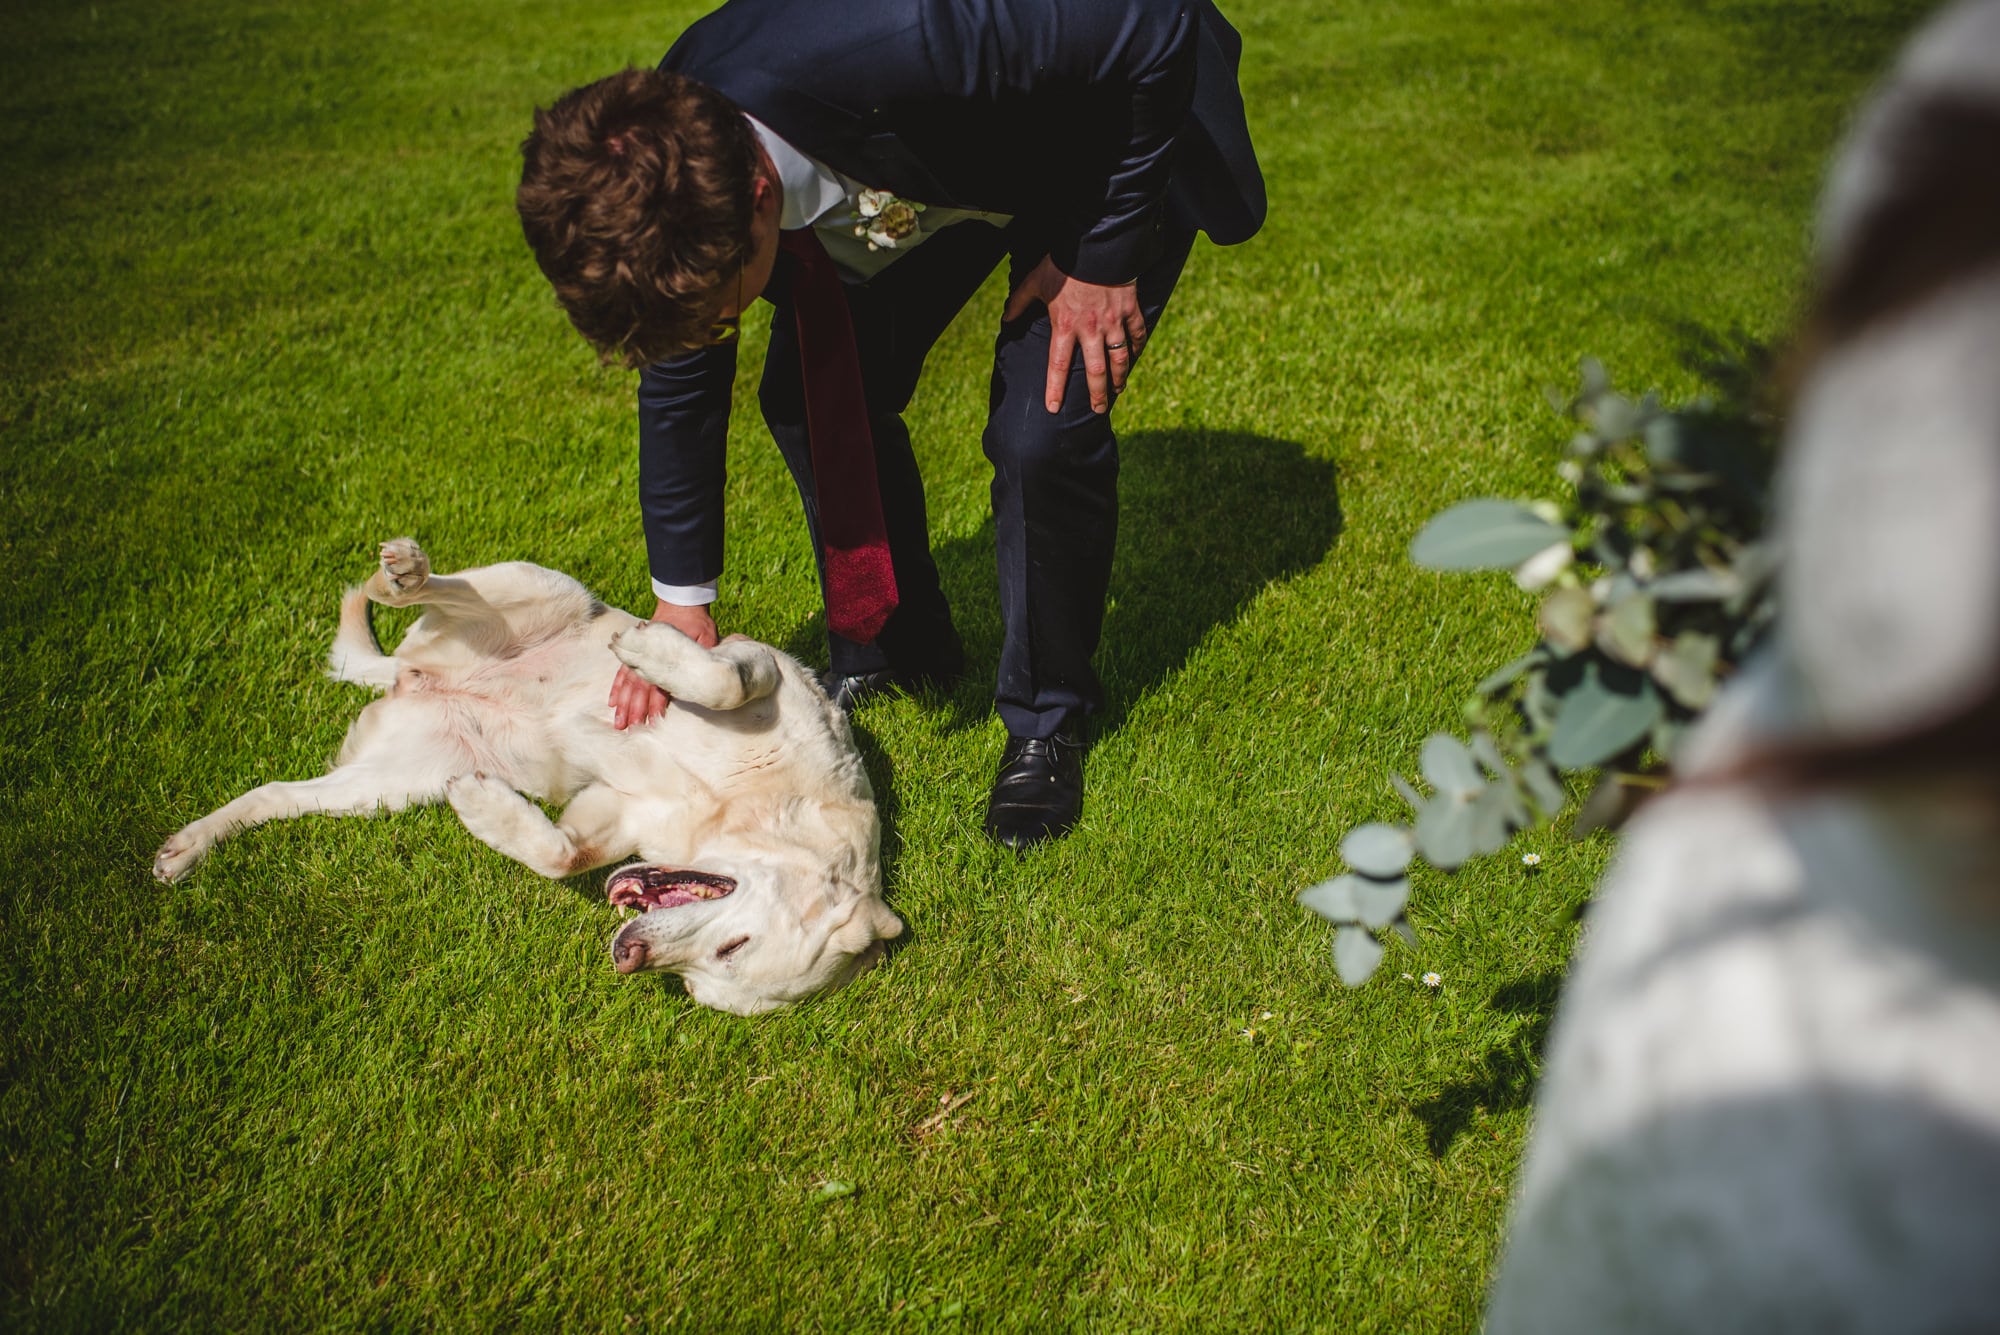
[(1935, 227), (636, 197)]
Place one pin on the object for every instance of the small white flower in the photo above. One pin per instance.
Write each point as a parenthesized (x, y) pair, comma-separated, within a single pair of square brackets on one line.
[(1531, 859), (1544, 565), (1433, 979), (1265, 1016), (1409, 978), (1570, 471)]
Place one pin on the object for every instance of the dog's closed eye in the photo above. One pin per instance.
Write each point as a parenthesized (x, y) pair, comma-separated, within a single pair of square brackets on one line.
[(732, 947)]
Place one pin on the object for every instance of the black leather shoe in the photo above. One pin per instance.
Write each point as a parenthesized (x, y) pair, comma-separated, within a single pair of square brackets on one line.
[(1038, 793), (850, 689)]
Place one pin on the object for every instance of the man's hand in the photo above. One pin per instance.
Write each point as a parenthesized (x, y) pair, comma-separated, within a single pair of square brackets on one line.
[(636, 700), (1103, 321)]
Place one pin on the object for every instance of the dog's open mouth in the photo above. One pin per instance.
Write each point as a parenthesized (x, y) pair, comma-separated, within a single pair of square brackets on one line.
[(645, 887)]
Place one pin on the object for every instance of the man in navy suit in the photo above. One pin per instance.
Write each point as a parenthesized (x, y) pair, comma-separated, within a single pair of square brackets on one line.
[(910, 145)]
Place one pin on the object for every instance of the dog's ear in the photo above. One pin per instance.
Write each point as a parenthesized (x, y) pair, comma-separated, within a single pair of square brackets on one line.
[(870, 920), (887, 925)]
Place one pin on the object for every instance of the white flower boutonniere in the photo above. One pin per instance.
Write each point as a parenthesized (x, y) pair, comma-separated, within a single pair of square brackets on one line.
[(885, 219)]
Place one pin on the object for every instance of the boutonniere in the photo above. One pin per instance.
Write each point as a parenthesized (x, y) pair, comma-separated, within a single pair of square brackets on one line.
[(885, 219)]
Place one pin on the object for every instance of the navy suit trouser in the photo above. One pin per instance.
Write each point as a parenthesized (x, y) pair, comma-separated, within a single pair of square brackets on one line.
[(1055, 475)]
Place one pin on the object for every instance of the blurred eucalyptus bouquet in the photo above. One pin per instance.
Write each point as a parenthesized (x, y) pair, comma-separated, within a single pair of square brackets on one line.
[(1658, 584)]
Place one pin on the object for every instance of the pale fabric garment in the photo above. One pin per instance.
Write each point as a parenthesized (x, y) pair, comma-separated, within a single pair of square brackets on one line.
[(818, 197), (1772, 1094)]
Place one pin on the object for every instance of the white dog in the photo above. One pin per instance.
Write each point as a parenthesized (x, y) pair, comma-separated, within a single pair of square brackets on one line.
[(746, 802)]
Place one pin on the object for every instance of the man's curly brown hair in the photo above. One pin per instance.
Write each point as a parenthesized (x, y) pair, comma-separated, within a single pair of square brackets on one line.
[(636, 199)]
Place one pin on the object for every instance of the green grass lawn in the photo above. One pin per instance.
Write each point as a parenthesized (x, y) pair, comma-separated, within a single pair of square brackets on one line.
[(263, 302)]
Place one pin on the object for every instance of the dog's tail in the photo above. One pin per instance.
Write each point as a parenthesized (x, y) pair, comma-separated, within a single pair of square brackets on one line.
[(355, 657)]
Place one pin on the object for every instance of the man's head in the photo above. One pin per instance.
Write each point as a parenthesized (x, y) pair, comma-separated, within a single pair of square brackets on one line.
[(637, 197)]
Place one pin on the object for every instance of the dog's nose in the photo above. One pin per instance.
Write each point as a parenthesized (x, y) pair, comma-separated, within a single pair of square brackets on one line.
[(627, 954)]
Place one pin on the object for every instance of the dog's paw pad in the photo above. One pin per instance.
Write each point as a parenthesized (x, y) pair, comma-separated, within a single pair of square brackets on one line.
[(404, 564)]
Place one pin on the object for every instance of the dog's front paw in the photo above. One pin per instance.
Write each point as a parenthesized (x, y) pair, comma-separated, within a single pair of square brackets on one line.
[(404, 565), (179, 854), (654, 650)]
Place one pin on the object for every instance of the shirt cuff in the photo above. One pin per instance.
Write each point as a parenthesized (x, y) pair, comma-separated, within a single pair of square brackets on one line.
[(685, 595)]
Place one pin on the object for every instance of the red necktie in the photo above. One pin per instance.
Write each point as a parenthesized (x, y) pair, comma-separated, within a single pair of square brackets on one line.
[(860, 581)]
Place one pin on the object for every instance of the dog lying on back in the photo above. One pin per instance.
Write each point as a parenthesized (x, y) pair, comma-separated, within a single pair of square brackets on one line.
[(746, 803)]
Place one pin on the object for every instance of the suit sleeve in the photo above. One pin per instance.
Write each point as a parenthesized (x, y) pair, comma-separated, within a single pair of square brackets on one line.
[(683, 438), (1109, 232), (1120, 79)]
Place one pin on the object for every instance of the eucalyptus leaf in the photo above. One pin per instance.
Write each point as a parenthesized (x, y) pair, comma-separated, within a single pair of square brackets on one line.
[(1754, 565), (1483, 535), (1687, 668), (1445, 834), (1404, 930), (1540, 702), (1615, 417), (833, 1191), (1626, 631), (1510, 674), (1408, 791), (1566, 617), (1381, 902), (1356, 952), (1491, 826), (1543, 786), (1596, 380), (1448, 766), (1596, 722), (1378, 850), (1487, 752), (1514, 802), (1699, 585), (1663, 440), (1333, 900)]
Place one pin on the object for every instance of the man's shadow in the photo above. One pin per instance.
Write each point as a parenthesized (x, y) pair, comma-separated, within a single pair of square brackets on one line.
[(1207, 520)]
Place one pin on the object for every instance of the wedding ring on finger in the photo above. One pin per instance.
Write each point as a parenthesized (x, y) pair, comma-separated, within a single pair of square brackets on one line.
[(1114, 347)]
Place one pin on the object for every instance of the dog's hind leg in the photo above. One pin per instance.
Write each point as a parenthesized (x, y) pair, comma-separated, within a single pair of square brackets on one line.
[(729, 676), (355, 657), (404, 578), (591, 833), (350, 790)]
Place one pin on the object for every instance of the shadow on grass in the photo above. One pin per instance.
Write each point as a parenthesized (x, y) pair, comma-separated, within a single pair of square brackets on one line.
[(1207, 520), (1504, 1078)]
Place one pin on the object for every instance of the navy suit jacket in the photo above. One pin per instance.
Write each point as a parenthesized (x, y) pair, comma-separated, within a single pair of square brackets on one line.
[(1095, 122)]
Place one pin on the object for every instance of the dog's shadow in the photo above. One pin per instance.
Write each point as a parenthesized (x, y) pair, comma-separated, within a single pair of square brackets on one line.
[(1208, 519)]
